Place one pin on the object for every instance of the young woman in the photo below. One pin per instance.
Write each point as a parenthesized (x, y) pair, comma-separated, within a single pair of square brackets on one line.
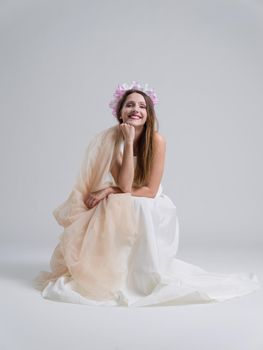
[(121, 231), (137, 121)]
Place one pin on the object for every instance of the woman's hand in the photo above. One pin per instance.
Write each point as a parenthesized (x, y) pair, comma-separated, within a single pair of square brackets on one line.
[(128, 131), (94, 198)]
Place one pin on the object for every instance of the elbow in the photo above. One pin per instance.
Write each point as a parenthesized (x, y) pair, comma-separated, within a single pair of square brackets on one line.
[(152, 192), (124, 188)]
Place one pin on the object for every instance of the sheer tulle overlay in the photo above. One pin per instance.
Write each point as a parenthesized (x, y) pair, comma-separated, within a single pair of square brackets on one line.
[(123, 251)]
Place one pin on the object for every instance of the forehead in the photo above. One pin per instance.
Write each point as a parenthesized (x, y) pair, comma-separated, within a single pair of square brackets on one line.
[(135, 97)]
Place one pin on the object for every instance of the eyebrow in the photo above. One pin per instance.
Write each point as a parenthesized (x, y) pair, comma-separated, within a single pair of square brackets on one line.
[(134, 102)]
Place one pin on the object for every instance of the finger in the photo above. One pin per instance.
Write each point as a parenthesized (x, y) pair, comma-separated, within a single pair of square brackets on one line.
[(92, 202), (90, 205), (89, 201)]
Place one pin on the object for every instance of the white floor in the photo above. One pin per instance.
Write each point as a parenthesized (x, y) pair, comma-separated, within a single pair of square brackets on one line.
[(30, 322)]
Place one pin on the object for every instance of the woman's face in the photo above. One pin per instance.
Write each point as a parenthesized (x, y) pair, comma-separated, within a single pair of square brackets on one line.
[(134, 110)]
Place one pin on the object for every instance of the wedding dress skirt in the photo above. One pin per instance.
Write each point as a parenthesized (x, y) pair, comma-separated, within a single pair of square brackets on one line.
[(154, 275), (123, 252)]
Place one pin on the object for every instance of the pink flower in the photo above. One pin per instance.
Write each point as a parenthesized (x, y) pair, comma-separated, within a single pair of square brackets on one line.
[(119, 92)]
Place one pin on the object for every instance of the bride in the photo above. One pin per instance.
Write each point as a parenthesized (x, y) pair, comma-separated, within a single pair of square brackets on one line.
[(121, 231)]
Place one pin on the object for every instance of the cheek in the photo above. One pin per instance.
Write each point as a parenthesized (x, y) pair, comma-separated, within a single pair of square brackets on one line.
[(125, 110), (122, 112)]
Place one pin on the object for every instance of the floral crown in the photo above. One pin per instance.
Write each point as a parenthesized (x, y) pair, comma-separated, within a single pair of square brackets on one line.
[(121, 89)]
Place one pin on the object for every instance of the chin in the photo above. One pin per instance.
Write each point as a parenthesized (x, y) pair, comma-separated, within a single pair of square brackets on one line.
[(135, 123)]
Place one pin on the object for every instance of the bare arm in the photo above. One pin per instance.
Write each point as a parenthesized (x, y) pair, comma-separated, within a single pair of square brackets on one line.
[(143, 191), (126, 169), (152, 186), (113, 189), (123, 166)]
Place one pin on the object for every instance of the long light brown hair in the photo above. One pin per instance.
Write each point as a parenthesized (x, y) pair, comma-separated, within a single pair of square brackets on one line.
[(145, 142)]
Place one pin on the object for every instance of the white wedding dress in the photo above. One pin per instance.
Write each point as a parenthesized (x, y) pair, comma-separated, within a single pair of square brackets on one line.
[(154, 276), (97, 247)]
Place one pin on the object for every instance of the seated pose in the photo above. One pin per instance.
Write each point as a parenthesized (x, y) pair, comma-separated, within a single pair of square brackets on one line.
[(121, 231)]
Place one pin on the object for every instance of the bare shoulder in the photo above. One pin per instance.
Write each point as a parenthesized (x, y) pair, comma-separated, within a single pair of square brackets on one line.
[(159, 139)]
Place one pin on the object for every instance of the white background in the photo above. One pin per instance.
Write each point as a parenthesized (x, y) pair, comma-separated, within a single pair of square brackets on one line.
[(60, 63)]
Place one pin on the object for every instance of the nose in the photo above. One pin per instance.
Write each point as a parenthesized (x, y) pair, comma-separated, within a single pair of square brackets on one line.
[(135, 109)]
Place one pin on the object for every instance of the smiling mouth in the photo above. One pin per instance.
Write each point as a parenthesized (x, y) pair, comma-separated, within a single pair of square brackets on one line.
[(134, 116)]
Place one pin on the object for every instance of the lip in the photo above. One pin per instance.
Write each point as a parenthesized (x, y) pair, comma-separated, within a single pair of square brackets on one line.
[(134, 116)]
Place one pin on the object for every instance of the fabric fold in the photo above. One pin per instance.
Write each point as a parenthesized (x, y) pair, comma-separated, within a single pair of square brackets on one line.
[(95, 244), (123, 251)]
